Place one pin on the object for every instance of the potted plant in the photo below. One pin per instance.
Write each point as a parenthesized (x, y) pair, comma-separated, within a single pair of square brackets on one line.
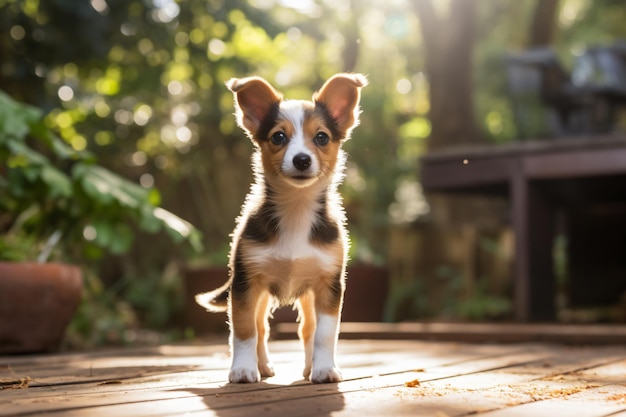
[(57, 204), (200, 276)]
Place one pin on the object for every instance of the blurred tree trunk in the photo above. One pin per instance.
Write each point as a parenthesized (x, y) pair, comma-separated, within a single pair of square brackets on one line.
[(448, 37), (448, 40), (541, 31), (351, 50)]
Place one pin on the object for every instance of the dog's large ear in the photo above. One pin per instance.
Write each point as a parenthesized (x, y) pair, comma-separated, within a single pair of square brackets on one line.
[(340, 95), (255, 98)]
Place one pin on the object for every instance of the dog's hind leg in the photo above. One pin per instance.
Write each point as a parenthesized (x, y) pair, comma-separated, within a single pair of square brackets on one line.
[(243, 332), (243, 343), (306, 330), (262, 325)]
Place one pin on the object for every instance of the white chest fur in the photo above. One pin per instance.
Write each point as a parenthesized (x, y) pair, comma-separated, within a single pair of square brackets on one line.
[(293, 241), (292, 261)]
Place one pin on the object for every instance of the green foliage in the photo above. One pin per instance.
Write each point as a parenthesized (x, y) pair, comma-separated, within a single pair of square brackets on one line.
[(413, 300), (482, 306), (52, 195), (139, 83), (406, 299)]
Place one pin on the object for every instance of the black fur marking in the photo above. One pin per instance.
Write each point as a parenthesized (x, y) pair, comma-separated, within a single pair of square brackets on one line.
[(240, 284), (268, 122), (262, 225), (331, 123), (336, 290), (324, 230)]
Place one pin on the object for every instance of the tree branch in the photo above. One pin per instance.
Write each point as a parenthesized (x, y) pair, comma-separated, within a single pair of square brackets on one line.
[(542, 23)]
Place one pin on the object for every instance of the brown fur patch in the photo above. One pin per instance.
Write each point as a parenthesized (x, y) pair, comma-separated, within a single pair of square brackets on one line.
[(307, 317), (243, 319), (262, 325)]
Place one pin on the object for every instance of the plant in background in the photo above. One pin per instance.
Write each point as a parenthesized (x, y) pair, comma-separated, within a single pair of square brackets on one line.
[(57, 203)]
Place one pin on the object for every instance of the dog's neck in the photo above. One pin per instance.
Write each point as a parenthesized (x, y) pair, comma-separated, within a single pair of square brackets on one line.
[(295, 201)]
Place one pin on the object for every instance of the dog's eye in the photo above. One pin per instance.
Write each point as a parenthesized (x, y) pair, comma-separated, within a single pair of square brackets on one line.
[(279, 138), (321, 138)]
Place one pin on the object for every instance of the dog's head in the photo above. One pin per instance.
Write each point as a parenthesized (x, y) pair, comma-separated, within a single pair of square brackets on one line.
[(299, 140)]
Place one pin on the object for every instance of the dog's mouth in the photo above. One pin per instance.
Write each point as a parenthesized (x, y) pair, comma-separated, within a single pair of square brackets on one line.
[(300, 180)]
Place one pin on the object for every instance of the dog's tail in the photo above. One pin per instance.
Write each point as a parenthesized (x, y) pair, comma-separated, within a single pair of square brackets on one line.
[(215, 301)]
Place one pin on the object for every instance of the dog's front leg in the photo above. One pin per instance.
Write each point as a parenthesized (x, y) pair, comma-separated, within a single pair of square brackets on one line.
[(328, 315), (325, 343)]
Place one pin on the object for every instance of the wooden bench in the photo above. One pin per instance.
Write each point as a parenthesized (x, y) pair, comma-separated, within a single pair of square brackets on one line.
[(574, 185)]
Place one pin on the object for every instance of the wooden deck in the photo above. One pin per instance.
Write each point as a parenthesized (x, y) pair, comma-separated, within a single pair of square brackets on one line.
[(382, 378)]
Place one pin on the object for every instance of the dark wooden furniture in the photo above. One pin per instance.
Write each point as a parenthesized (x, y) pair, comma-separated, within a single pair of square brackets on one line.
[(579, 180)]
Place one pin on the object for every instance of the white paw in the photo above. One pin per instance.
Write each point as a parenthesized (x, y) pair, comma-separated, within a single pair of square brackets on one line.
[(267, 370), (244, 375), (326, 375)]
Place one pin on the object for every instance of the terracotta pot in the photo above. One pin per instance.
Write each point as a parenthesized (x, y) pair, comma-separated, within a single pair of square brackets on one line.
[(37, 302), (199, 280), (366, 293)]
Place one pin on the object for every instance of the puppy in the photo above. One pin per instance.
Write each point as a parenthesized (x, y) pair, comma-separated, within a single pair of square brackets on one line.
[(290, 243)]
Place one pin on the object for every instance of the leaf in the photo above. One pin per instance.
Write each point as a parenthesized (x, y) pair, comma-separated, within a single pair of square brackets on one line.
[(148, 222), (121, 240), (21, 149), (179, 229), (104, 233), (104, 185), (31, 173), (16, 118), (59, 183), (97, 190)]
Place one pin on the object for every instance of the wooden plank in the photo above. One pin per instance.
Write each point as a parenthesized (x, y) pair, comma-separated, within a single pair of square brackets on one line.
[(466, 174), (399, 400), (526, 148), (449, 398), (406, 359), (474, 332), (592, 402), (596, 402), (575, 164), (455, 378), (457, 356), (77, 369)]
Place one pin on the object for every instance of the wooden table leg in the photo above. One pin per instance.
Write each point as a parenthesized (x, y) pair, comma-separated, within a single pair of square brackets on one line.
[(534, 226)]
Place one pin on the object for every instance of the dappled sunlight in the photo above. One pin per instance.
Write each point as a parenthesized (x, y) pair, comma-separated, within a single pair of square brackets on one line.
[(410, 203)]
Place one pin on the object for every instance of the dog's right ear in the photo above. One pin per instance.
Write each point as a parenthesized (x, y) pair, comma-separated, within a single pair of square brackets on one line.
[(255, 99)]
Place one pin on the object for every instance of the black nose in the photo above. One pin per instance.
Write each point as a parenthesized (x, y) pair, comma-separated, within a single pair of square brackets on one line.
[(301, 161)]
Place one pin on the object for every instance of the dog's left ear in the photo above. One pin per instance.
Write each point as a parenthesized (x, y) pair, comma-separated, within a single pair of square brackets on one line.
[(340, 95)]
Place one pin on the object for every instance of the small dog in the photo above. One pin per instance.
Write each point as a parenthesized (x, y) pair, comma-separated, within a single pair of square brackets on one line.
[(290, 243)]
